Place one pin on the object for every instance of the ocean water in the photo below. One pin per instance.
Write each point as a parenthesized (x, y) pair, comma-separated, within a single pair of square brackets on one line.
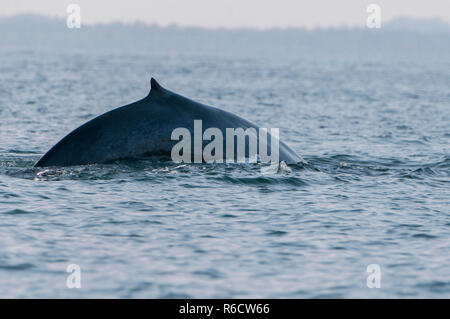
[(375, 132)]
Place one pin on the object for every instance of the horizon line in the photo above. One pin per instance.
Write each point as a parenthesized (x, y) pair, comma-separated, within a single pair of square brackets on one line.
[(140, 22)]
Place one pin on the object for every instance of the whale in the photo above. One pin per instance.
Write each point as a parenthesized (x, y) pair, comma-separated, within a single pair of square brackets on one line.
[(144, 129)]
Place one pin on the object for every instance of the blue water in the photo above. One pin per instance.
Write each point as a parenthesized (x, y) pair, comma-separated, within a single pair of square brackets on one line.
[(375, 134)]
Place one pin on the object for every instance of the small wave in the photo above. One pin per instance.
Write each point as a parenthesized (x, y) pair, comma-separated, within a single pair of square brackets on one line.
[(209, 273), (424, 236), (435, 286), (17, 212), (276, 233), (357, 166), (21, 266), (264, 180)]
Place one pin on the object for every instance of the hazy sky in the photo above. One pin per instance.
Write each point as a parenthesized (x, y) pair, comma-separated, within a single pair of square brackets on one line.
[(234, 13)]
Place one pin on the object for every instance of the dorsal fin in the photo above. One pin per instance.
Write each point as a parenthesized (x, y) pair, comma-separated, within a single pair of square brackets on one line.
[(155, 88), (154, 85)]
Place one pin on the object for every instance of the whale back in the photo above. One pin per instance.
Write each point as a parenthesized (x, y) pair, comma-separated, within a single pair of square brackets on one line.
[(143, 129)]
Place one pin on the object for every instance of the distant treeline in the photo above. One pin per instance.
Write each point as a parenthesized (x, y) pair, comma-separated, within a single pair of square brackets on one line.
[(38, 32)]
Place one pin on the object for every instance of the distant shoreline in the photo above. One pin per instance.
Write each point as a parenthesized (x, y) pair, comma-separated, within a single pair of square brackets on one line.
[(431, 25)]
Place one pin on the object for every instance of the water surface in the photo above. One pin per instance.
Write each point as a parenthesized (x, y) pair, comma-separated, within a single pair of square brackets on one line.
[(375, 133)]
